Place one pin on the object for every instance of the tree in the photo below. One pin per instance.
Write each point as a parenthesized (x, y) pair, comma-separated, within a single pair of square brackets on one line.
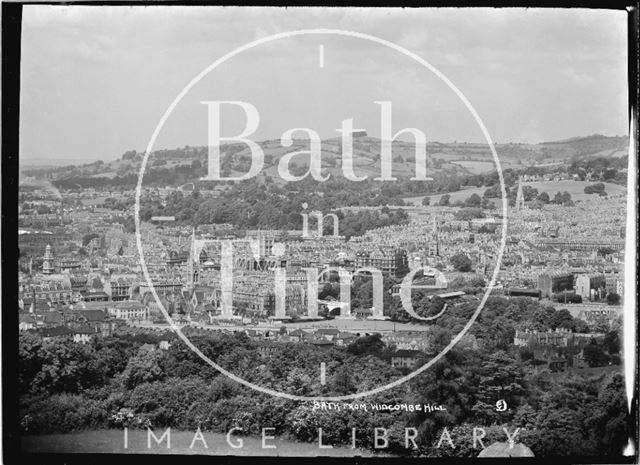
[(457, 283), (329, 290), (31, 355), (610, 418), (468, 213), (444, 200), (342, 383), (487, 229), (594, 188), (367, 345), (604, 251), (143, 367), (426, 201), (580, 326), (88, 238), (529, 193), (543, 197), (492, 193), (561, 319), (129, 155), (501, 378), (474, 200), (613, 299), (557, 199), (595, 355), (612, 341), (461, 262)]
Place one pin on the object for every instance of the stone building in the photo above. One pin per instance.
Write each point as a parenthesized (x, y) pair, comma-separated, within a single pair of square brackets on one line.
[(552, 282)]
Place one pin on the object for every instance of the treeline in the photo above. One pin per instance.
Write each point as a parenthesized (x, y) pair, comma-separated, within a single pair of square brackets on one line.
[(606, 169), (249, 206), (86, 182)]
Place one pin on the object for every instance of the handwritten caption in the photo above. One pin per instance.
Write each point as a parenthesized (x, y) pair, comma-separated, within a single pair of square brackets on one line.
[(368, 407)]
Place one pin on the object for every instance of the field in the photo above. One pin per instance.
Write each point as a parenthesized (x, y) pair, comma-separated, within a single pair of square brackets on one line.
[(476, 167), (575, 188)]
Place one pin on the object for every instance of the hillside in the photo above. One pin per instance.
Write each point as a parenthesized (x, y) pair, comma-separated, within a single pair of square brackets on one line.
[(575, 188), (450, 158)]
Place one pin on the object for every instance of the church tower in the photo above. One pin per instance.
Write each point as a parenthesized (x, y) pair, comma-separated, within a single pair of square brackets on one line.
[(193, 263), (47, 264)]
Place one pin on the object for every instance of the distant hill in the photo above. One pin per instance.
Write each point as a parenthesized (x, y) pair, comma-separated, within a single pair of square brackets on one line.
[(593, 137), (47, 162), (591, 146), (455, 158)]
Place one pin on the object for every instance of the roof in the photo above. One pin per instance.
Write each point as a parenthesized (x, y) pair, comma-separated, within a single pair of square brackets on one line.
[(89, 306), (92, 315), (85, 330), (41, 307), (557, 274), (127, 304), (345, 335), (93, 294), (26, 319), (328, 331), (52, 317), (406, 353), (592, 275), (56, 331)]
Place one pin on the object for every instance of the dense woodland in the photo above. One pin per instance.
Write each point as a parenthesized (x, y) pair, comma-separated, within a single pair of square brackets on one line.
[(116, 381)]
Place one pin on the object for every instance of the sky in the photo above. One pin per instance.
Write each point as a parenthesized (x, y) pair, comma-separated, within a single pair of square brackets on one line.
[(96, 80)]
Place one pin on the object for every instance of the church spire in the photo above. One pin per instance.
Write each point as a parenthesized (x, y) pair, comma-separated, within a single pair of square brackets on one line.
[(519, 196)]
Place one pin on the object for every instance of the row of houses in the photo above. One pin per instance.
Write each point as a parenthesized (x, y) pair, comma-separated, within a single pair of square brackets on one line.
[(590, 286), (560, 337), (79, 324)]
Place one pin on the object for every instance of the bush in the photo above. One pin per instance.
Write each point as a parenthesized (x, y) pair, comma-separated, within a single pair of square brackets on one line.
[(166, 403), (62, 413), (597, 188), (613, 299), (461, 262), (468, 213)]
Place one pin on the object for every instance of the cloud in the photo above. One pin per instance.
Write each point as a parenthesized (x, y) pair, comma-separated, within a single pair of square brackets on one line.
[(97, 78)]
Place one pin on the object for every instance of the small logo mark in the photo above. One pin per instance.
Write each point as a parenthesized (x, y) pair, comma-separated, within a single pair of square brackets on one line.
[(501, 406)]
